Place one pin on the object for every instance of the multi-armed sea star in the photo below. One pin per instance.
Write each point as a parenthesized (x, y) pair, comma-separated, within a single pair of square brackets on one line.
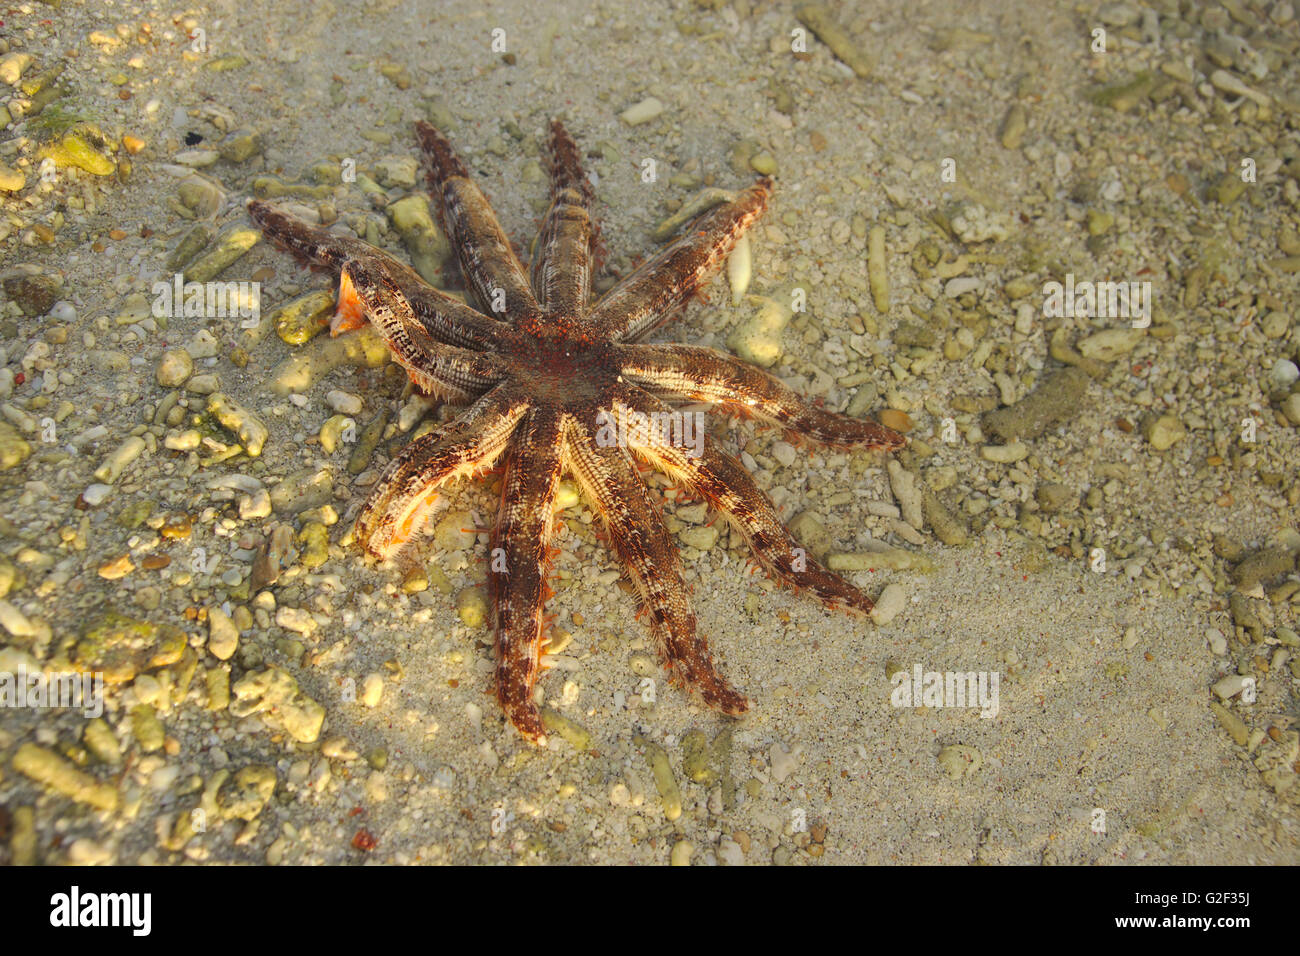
[(551, 380)]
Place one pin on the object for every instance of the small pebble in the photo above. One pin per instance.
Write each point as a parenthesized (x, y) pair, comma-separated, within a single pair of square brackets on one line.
[(784, 762), (115, 463), (670, 794), (203, 384), (784, 453), (1005, 454), (117, 568), (48, 768), (302, 319), (196, 158), (961, 285), (701, 202), (15, 621), (903, 484), (174, 367), (203, 345), (763, 163), (1263, 565), (296, 619), (314, 539), (757, 339), (1230, 722), (959, 760), (96, 494), (1110, 344), (730, 853), (223, 636), (333, 431), (878, 269), (740, 269), (248, 427), (1014, 125), (13, 65), (255, 506), (1164, 432), (228, 247), (817, 18), (642, 112), (1291, 408), (892, 600), (471, 605), (176, 527), (1283, 375), (700, 537), (893, 418), (345, 403), (1230, 686), (372, 690)]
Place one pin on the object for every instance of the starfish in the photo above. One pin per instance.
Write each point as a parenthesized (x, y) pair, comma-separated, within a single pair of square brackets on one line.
[(555, 382)]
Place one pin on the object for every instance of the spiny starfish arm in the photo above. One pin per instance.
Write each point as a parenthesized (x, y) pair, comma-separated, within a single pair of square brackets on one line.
[(694, 373), (519, 562), (408, 489), (450, 373), (448, 319), (562, 260), (489, 263), (637, 533), (656, 291), (724, 483), (445, 318), (309, 244)]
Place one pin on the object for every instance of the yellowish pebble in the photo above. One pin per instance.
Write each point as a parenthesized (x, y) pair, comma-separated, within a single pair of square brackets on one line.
[(898, 421), (47, 767), (117, 568), (75, 151)]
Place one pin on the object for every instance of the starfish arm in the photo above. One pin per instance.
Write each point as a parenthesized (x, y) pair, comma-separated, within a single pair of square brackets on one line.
[(637, 533), (489, 263), (562, 260), (444, 318), (450, 373), (448, 319), (656, 291), (519, 562), (724, 483), (309, 244), (408, 489), (693, 373)]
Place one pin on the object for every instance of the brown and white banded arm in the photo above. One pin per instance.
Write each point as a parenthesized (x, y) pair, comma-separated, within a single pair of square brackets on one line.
[(405, 495), (487, 259), (659, 289), (696, 374), (562, 261), (443, 317), (724, 483), (640, 538), (520, 561), (449, 373)]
